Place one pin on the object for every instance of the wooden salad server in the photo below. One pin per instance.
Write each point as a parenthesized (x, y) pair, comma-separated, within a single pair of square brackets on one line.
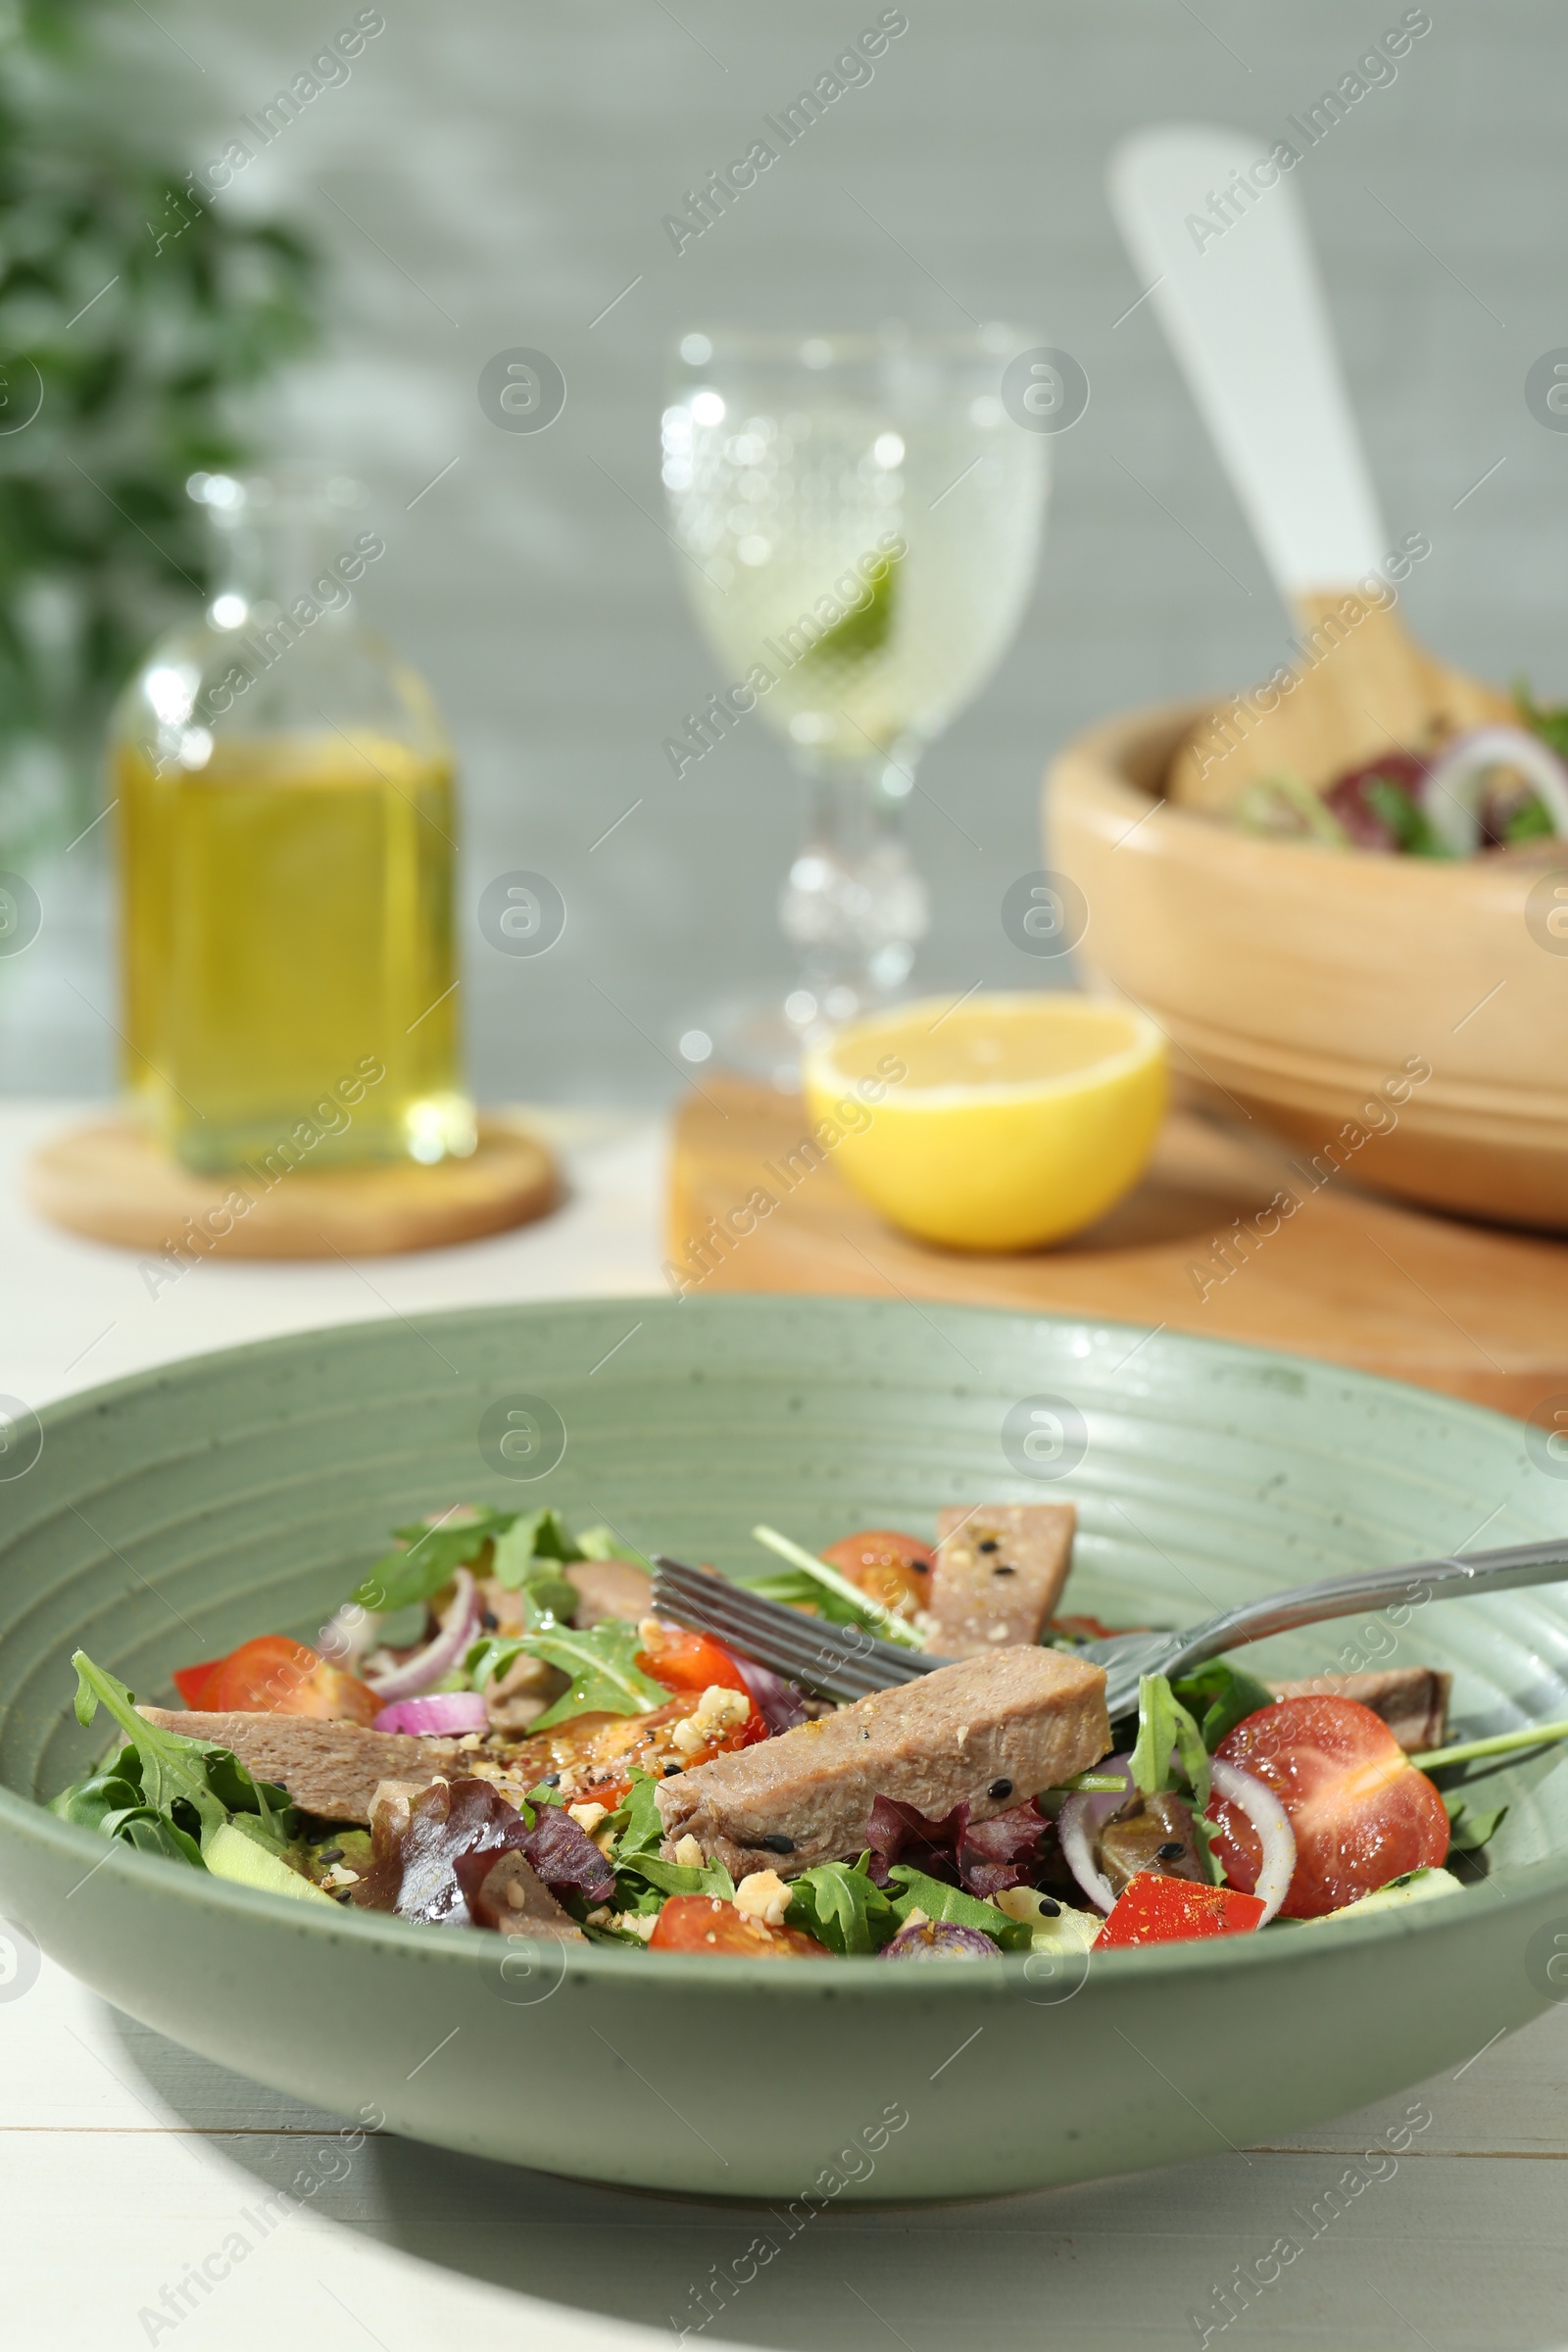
[(1242, 307)]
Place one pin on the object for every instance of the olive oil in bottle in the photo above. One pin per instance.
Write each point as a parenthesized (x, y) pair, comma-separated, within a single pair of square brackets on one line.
[(285, 804)]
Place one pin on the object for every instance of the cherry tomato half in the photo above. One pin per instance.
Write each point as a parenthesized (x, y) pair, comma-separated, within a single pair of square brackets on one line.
[(686, 1662), (886, 1566), (1361, 1812), (701, 1923), (274, 1676)]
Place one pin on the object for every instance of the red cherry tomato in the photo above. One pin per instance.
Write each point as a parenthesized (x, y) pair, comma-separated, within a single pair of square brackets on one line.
[(701, 1923), (274, 1676), (1361, 1812), (886, 1566), (191, 1682), (1154, 1909), (686, 1662)]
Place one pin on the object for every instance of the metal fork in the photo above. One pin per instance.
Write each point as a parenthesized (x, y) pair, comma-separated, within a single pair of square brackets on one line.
[(843, 1661)]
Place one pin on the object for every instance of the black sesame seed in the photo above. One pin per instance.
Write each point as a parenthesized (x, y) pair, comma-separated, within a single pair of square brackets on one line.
[(1170, 1851), (777, 1844), (1000, 1789), (988, 1544), (552, 1779), (329, 1853), (489, 1620), (1048, 1908), (920, 1567), (999, 1570), (670, 1770)]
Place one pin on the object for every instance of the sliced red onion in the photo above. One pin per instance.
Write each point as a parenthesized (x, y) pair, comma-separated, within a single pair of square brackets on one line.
[(1269, 1818), (438, 1715), (348, 1635), (1079, 1823), (940, 1939), (778, 1702), (1452, 795), (438, 1657)]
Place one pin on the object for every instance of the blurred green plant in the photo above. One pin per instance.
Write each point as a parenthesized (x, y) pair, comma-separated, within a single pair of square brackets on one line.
[(131, 314)]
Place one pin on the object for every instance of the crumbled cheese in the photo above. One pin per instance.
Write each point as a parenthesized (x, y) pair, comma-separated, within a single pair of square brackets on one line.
[(689, 1853), (640, 1923), (1019, 1902), (963, 1732), (600, 1917), (340, 1875), (589, 1814), (649, 1633), (917, 1918), (470, 1739), (997, 1633), (718, 1711), (763, 1895)]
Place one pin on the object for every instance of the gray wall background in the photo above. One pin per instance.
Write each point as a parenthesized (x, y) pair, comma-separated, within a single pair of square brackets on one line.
[(495, 172)]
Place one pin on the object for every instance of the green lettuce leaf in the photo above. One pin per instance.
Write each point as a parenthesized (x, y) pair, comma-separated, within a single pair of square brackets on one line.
[(941, 1901), (1221, 1696), (840, 1905)]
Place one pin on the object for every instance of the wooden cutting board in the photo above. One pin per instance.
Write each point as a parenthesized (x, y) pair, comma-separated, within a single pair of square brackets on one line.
[(1470, 1309)]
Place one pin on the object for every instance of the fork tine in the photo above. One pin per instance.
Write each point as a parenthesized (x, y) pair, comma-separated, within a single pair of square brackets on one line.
[(766, 1620), (805, 1657), (837, 1660)]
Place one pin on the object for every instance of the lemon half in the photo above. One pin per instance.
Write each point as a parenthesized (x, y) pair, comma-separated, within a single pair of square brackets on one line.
[(1001, 1122)]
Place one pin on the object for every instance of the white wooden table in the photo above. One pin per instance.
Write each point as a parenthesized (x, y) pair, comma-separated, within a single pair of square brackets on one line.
[(130, 2170)]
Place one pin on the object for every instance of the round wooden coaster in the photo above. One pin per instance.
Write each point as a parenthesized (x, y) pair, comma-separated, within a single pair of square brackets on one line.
[(110, 1181)]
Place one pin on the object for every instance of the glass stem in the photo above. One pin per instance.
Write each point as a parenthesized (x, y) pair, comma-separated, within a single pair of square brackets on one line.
[(854, 905)]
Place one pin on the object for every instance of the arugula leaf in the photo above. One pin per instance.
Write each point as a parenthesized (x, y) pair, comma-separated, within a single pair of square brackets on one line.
[(842, 1906), (602, 1544), (430, 1558), (1412, 829), (533, 1537), (1221, 1696), (164, 1792), (941, 1901), (601, 1659), (637, 1824), (1164, 1724), (882, 1621), (679, 1878), (1468, 1831)]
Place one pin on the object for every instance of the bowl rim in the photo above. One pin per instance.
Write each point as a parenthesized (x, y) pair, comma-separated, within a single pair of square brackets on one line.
[(32, 1821)]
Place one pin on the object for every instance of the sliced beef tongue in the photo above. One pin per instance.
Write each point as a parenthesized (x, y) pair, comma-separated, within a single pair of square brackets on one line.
[(1412, 1700), (989, 1732), (330, 1769), (998, 1574)]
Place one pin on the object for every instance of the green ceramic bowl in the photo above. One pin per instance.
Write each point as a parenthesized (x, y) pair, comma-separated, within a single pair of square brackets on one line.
[(170, 1516)]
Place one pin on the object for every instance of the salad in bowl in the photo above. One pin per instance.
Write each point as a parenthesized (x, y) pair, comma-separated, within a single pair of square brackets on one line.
[(496, 1733)]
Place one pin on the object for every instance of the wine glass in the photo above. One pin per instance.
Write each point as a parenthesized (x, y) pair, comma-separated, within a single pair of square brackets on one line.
[(859, 518)]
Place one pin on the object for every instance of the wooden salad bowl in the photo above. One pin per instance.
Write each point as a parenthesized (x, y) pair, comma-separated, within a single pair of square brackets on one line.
[(1334, 994)]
